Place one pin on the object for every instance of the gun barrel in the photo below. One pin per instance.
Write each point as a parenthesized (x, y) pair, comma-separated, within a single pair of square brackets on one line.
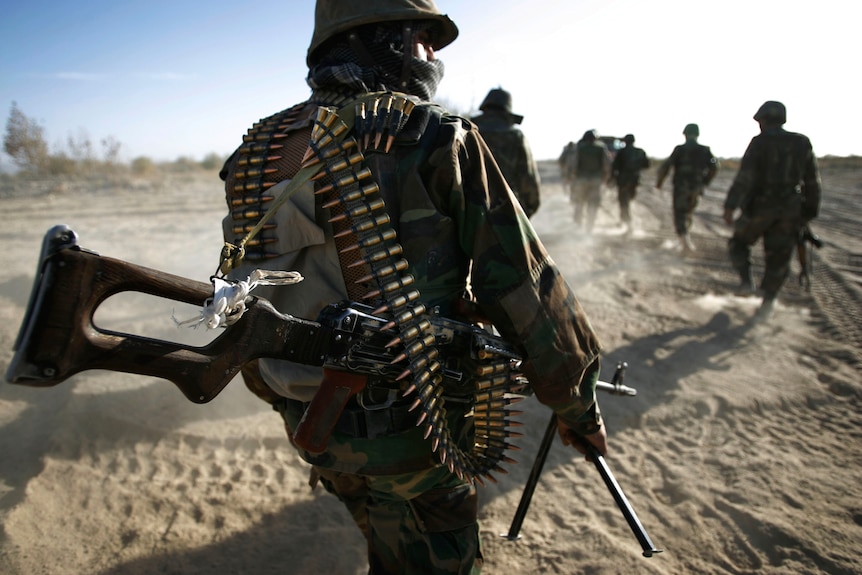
[(615, 388)]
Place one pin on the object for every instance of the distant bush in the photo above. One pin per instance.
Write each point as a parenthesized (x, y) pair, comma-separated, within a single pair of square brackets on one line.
[(24, 141), (143, 166), (183, 164), (839, 162), (61, 165), (212, 161)]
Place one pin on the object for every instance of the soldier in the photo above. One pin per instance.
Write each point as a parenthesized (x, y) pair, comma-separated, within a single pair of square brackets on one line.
[(426, 179), (566, 162), (626, 172), (694, 167), (592, 168), (777, 191), (510, 147)]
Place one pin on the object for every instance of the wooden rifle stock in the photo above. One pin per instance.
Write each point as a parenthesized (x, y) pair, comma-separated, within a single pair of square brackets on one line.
[(59, 339)]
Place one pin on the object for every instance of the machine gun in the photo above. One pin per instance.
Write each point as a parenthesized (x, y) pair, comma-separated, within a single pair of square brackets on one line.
[(58, 339)]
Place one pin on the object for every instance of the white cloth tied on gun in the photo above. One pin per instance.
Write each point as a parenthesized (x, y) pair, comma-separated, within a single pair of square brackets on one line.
[(227, 304)]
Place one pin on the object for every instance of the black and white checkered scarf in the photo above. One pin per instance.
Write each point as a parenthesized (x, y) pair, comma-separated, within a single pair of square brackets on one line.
[(340, 68)]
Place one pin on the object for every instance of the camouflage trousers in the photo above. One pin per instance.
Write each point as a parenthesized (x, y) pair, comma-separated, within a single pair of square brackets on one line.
[(587, 196), (780, 229), (685, 200), (625, 194), (421, 522)]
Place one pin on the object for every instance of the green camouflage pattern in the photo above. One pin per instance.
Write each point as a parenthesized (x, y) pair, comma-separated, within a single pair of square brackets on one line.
[(589, 166), (587, 197), (694, 166), (457, 220), (777, 167), (627, 165), (415, 523), (451, 208), (686, 197), (591, 160), (778, 190), (513, 155), (626, 172)]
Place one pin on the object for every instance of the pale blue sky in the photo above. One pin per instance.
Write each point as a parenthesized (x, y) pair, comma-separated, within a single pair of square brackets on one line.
[(187, 77)]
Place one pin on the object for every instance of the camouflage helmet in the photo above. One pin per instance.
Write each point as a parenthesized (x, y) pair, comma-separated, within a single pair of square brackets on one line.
[(500, 99), (629, 139), (691, 130), (590, 135), (772, 112), (332, 17)]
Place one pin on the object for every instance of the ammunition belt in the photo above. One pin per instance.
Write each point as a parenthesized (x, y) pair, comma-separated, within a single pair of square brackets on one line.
[(375, 272)]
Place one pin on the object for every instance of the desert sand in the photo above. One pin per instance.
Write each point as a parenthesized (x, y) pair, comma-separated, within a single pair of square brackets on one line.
[(741, 452)]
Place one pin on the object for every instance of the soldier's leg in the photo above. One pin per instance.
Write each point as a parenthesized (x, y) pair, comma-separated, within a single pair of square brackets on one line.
[(681, 218), (594, 200), (626, 193), (779, 243), (746, 230), (579, 199), (351, 490), (423, 523)]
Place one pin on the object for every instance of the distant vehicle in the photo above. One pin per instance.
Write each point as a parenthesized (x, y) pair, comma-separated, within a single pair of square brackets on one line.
[(613, 144)]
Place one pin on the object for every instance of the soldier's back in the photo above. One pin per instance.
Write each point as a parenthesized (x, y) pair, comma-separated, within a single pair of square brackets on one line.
[(591, 160)]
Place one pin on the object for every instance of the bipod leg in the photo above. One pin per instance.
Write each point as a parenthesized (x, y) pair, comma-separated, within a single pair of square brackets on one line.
[(530, 486)]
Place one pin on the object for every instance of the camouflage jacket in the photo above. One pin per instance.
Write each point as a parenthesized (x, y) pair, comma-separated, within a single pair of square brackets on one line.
[(591, 160), (693, 166), (779, 167), (514, 157), (627, 165), (453, 212)]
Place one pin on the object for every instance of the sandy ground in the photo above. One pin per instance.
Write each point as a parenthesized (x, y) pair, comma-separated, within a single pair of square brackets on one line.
[(740, 453)]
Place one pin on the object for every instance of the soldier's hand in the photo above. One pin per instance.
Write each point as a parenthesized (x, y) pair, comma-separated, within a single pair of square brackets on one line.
[(728, 216), (599, 439)]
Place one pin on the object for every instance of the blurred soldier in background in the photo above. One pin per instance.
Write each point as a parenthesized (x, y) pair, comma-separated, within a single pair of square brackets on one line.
[(566, 161), (510, 148), (694, 167), (626, 172), (591, 169), (777, 190), (399, 227)]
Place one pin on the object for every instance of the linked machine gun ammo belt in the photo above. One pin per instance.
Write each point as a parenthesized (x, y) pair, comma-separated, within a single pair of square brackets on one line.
[(375, 272)]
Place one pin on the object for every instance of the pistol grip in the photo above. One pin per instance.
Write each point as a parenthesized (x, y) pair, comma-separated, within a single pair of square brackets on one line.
[(337, 387)]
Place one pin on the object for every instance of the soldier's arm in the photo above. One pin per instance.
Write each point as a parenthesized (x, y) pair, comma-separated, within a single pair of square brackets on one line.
[(741, 189), (663, 170), (811, 187), (520, 289)]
